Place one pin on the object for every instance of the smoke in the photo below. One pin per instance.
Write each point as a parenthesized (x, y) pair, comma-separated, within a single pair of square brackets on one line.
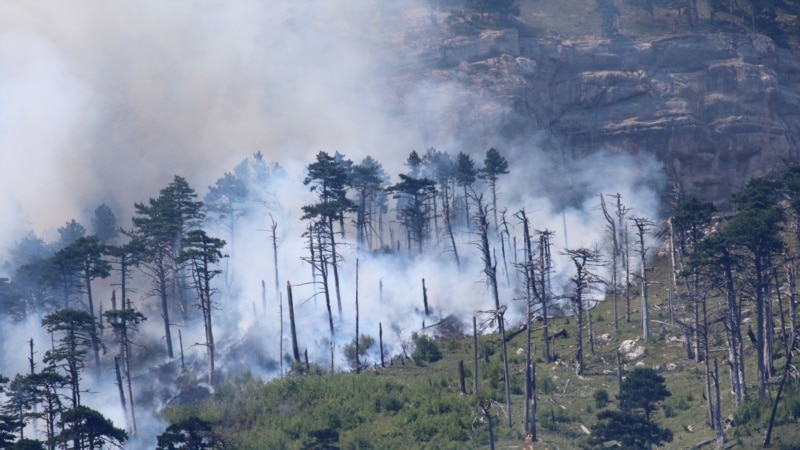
[(107, 101)]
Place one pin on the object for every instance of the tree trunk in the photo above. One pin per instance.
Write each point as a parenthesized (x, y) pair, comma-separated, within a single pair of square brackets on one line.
[(122, 395), (335, 265), (358, 363), (786, 369), (717, 421), (380, 340), (292, 328), (425, 298), (461, 383), (475, 355)]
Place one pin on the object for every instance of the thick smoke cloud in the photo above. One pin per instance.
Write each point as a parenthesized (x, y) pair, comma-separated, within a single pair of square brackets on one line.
[(106, 101)]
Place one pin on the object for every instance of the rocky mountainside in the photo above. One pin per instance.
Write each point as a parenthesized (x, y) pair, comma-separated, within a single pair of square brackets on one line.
[(715, 107)]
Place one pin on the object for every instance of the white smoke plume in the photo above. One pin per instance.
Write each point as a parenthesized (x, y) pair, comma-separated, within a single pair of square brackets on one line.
[(107, 101)]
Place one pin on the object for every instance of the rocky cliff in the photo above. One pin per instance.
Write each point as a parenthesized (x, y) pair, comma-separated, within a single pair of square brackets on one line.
[(716, 108)]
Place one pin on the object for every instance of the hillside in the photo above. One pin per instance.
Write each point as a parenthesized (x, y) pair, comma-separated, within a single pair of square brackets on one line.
[(419, 405), (205, 205)]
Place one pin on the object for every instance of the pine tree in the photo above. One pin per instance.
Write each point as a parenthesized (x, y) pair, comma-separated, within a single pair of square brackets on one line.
[(328, 179), (202, 252)]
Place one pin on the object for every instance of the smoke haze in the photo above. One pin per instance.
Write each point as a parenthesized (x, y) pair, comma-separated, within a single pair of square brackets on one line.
[(107, 101)]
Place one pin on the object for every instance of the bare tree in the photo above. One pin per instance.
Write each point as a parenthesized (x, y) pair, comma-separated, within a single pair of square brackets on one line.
[(490, 270), (585, 260), (643, 225), (611, 227)]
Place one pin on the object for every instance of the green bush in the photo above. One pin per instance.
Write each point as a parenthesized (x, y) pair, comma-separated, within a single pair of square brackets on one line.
[(600, 398), (425, 349), (545, 385)]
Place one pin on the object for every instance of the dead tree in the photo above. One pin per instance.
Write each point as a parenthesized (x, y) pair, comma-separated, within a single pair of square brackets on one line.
[(292, 327), (611, 226), (425, 298), (717, 409), (274, 239), (475, 355), (786, 369), (643, 225), (622, 213), (358, 364), (490, 270), (585, 260), (122, 395), (545, 267)]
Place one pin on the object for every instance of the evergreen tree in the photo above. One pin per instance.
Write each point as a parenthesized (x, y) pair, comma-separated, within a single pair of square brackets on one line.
[(88, 429), (68, 234), (202, 252), (756, 229), (413, 210), (494, 165), (160, 225), (643, 389), (328, 179), (191, 433), (104, 224), (367, 180), (74, 333), (465, 174)]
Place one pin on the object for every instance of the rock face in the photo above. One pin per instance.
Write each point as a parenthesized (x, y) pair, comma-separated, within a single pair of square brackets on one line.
[(716, 109)]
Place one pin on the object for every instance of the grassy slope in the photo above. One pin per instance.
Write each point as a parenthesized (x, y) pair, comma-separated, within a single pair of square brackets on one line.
[(419, 406)]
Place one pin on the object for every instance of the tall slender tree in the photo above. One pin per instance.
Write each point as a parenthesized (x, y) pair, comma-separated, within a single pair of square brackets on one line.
[(161, 225), (465, 174), (328, 179), (202, 253), (494, 165)]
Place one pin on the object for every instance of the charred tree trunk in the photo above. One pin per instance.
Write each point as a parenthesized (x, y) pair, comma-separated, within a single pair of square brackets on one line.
[(474, 355), (358, 349), (490, 270), (786, 369), (643, 225), (274, 229), (292, 327), (717, 413), (122, 395), (380, 340), (544, 285), (461, 383), (612, 230), (335, 265), (425, 298)]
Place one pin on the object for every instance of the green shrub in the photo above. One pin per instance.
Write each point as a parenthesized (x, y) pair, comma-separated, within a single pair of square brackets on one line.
[(365, 342), (425, 349), (545, 385), (600, 398)]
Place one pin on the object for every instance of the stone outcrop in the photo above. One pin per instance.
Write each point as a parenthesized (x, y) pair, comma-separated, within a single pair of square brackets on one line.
[(716, 109), (631, 351)]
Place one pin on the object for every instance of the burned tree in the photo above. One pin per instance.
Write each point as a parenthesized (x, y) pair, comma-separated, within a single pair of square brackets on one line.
[(643, 225), (585, 261), (611, 226), (490, 270)]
